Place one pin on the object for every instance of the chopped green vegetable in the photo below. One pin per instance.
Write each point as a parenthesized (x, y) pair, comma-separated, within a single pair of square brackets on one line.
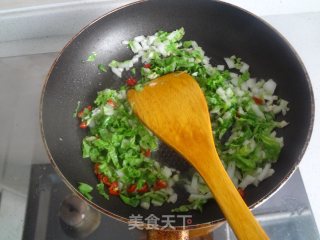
[(100, 188), (92, 57), (194, 205), (138, 87), (132, 201), (133, 71), (85, 189), (102, 68), (76, 110)]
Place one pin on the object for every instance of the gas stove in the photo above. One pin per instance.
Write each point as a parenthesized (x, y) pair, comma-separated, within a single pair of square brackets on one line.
[(54, 212)]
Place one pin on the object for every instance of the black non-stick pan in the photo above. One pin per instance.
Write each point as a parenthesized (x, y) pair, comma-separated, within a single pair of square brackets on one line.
[(222, 30)]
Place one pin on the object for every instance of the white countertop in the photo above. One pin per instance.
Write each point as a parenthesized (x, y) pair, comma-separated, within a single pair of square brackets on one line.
[(298, 21)]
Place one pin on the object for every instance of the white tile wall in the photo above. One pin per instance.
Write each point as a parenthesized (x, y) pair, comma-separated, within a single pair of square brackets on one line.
[(11, 215)]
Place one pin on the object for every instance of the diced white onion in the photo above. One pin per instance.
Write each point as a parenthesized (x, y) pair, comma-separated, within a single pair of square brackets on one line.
[(166, 172), (108, 110), (122, 94), (170, 182), (194, 197), (206, 60), (120, 173), (189, 189), (282, 124), (195, 74), (173, 198), (194, 182), (245, 67), (238, 92), (175, 177), (229, 92), (139, 38), (244, 86), (284, 106), (222, 94), (145, 205), (246, 181), (150, 39), (280, 141), (264, 172), (90, 138), (226, 116), (117, 71), (270, 86), (251, 82), (162, 49), (168, 190), (231, 169), (229, 62), (220, 67), (91, 123), (257, 111), (234, 81), (95, 112), (240, 110), (135, 46), (156, 203)]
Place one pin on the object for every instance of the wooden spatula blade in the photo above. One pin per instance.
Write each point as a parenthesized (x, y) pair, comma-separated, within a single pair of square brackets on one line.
[(159, 112)]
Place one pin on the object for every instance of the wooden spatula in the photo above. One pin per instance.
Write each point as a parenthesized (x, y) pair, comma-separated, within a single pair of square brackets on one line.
[(174, 108)]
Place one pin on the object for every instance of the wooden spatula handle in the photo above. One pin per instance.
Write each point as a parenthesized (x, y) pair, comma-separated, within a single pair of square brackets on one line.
[(242, 221)]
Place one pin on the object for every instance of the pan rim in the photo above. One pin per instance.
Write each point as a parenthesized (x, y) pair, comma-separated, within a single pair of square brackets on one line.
[(193, 226)]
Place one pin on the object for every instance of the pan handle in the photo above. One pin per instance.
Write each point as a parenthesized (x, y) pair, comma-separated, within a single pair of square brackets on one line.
[(167, 235)]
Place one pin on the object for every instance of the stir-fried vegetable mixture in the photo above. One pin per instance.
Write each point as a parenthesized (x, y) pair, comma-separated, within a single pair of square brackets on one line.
[(242, 109)]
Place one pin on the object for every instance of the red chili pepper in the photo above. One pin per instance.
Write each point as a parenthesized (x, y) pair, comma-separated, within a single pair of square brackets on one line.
[(132, 188), (96, 168), (100, 176), (131, 81), (257, 100), (83, 125), (147, 65), (143, 189), (114, 189), (160, 184), (80, 114), (106, 181), (147, 153), (241, 192), (111, 103)]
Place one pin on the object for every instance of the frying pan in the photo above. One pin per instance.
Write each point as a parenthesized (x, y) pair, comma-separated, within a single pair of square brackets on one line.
[(222, 30)]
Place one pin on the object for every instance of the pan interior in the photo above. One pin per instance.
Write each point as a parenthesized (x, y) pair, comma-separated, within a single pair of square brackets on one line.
[(222, 30)]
